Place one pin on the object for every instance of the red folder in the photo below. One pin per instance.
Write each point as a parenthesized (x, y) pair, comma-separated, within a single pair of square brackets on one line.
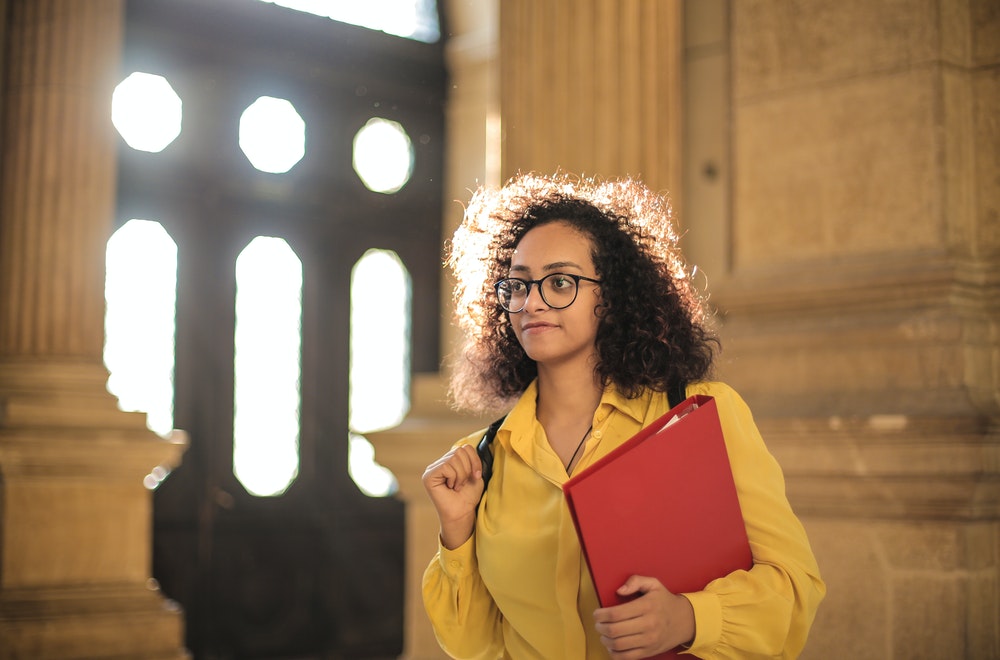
[(662, 505)]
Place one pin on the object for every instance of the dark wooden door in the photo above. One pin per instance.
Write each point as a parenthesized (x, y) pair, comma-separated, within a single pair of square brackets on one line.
[(316, 572)]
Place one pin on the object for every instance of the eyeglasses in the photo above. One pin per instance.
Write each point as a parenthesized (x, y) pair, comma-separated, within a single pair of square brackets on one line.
[(558, 291)]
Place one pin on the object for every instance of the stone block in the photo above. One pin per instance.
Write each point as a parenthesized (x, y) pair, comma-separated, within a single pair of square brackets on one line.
[(845, 170), (983, 603), (928, 616), (925, 546), (984, 19), (797, 43), (986, 138), (705, 23), (853, 618), (75, 531)]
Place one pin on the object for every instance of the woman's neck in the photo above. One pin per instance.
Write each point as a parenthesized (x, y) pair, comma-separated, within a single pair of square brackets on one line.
[(567, 394)]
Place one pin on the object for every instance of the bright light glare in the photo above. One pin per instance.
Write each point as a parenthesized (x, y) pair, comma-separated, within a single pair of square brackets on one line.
[(380, 361), (383, 155), (380, 342), (373, 479), (413, 19), (146, 111), (140, 289), (267, 366), (272, 135)]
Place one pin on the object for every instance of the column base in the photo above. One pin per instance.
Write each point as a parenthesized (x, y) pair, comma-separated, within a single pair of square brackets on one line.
[(90, 622)]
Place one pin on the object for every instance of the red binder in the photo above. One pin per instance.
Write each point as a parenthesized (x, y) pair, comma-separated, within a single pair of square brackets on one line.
[(663, 505)]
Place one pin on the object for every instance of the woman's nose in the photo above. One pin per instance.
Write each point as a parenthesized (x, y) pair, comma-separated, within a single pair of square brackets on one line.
[(534, 299)]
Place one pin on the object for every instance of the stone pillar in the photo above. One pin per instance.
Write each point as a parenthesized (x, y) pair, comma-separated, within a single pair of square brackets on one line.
[(429, 430), (75, 518), (857, 286), (592, 87)]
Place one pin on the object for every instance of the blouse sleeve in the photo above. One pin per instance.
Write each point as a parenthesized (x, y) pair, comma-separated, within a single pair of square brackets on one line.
[(466, 621), (768, 610)]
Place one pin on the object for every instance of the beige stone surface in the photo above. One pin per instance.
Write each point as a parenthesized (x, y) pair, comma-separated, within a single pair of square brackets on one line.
[(984, 29), (905, 589), (791, 44), (986, 137), (853, 618), (702, 214), (97, 519), (847, 169)]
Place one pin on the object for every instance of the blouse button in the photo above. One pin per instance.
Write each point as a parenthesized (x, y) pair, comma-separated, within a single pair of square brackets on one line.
[(598, 433)]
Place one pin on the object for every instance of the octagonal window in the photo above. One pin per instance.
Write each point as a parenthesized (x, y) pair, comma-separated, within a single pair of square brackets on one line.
[(146, 111), (272, 135), (383, 155)]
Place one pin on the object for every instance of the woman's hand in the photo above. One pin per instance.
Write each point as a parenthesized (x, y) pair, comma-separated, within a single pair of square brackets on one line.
[(654, 622), (455, 485)]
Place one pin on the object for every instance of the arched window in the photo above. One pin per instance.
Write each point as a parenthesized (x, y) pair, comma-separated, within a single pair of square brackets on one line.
[(140, 291), (267, 366), (380, 360)]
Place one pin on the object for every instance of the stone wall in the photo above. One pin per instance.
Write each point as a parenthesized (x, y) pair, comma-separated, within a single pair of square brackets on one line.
[(858, 303)]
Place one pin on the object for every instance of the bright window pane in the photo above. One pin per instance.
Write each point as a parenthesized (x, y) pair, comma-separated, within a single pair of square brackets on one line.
[(146, 111), (413, 19), (380, 341), (272, 135), (371, 478), (267, 366), (141, 293), (380, 361), (383, 155)]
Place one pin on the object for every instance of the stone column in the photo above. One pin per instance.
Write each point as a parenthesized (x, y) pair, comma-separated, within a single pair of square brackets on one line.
[(592, 87), (75, 522), (429, 430)]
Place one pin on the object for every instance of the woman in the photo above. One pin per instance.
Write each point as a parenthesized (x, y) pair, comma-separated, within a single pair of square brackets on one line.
[(579, 317)]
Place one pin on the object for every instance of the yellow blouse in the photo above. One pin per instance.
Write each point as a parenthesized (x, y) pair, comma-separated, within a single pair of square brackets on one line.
[(520, 588)]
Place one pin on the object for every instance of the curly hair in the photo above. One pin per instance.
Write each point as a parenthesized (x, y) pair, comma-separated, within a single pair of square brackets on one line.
[(652, 328)]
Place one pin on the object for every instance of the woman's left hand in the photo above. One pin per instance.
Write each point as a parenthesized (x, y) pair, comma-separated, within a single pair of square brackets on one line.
[(654, 622)]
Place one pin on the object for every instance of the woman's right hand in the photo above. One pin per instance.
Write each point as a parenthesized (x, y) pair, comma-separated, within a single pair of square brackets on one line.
[(455, 485)]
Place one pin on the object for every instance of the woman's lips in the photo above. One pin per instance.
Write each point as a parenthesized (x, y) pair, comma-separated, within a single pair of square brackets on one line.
[(537, 326)]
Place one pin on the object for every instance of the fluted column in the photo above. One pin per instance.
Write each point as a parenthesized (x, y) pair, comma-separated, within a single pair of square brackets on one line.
[(75, 524), (592, 87), (58, 176)]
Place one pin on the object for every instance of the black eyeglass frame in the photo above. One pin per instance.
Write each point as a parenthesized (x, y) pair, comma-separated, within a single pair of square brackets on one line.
[(541, 291)]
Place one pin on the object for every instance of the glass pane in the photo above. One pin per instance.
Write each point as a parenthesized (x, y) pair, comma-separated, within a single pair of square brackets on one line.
[(267, 366), (413, 19), (146, 111), (380, 341), (380, 361), (272, 135), (371, 478), (140, 289), (383, 155)]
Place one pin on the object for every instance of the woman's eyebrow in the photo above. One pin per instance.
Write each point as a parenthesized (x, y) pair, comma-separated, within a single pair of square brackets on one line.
[(562, 264), (558, 265)]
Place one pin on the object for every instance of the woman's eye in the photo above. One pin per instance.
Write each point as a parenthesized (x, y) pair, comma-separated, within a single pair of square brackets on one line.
[(516, 286), (561, 282)]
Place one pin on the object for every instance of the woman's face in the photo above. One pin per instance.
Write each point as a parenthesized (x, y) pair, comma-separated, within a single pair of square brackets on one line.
[(550, 336)]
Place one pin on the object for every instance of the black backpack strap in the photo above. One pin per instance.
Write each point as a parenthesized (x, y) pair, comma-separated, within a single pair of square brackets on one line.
[(676, 394), (486, 452)]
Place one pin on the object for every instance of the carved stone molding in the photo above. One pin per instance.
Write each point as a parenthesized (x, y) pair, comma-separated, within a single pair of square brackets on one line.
[(889, 467)]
